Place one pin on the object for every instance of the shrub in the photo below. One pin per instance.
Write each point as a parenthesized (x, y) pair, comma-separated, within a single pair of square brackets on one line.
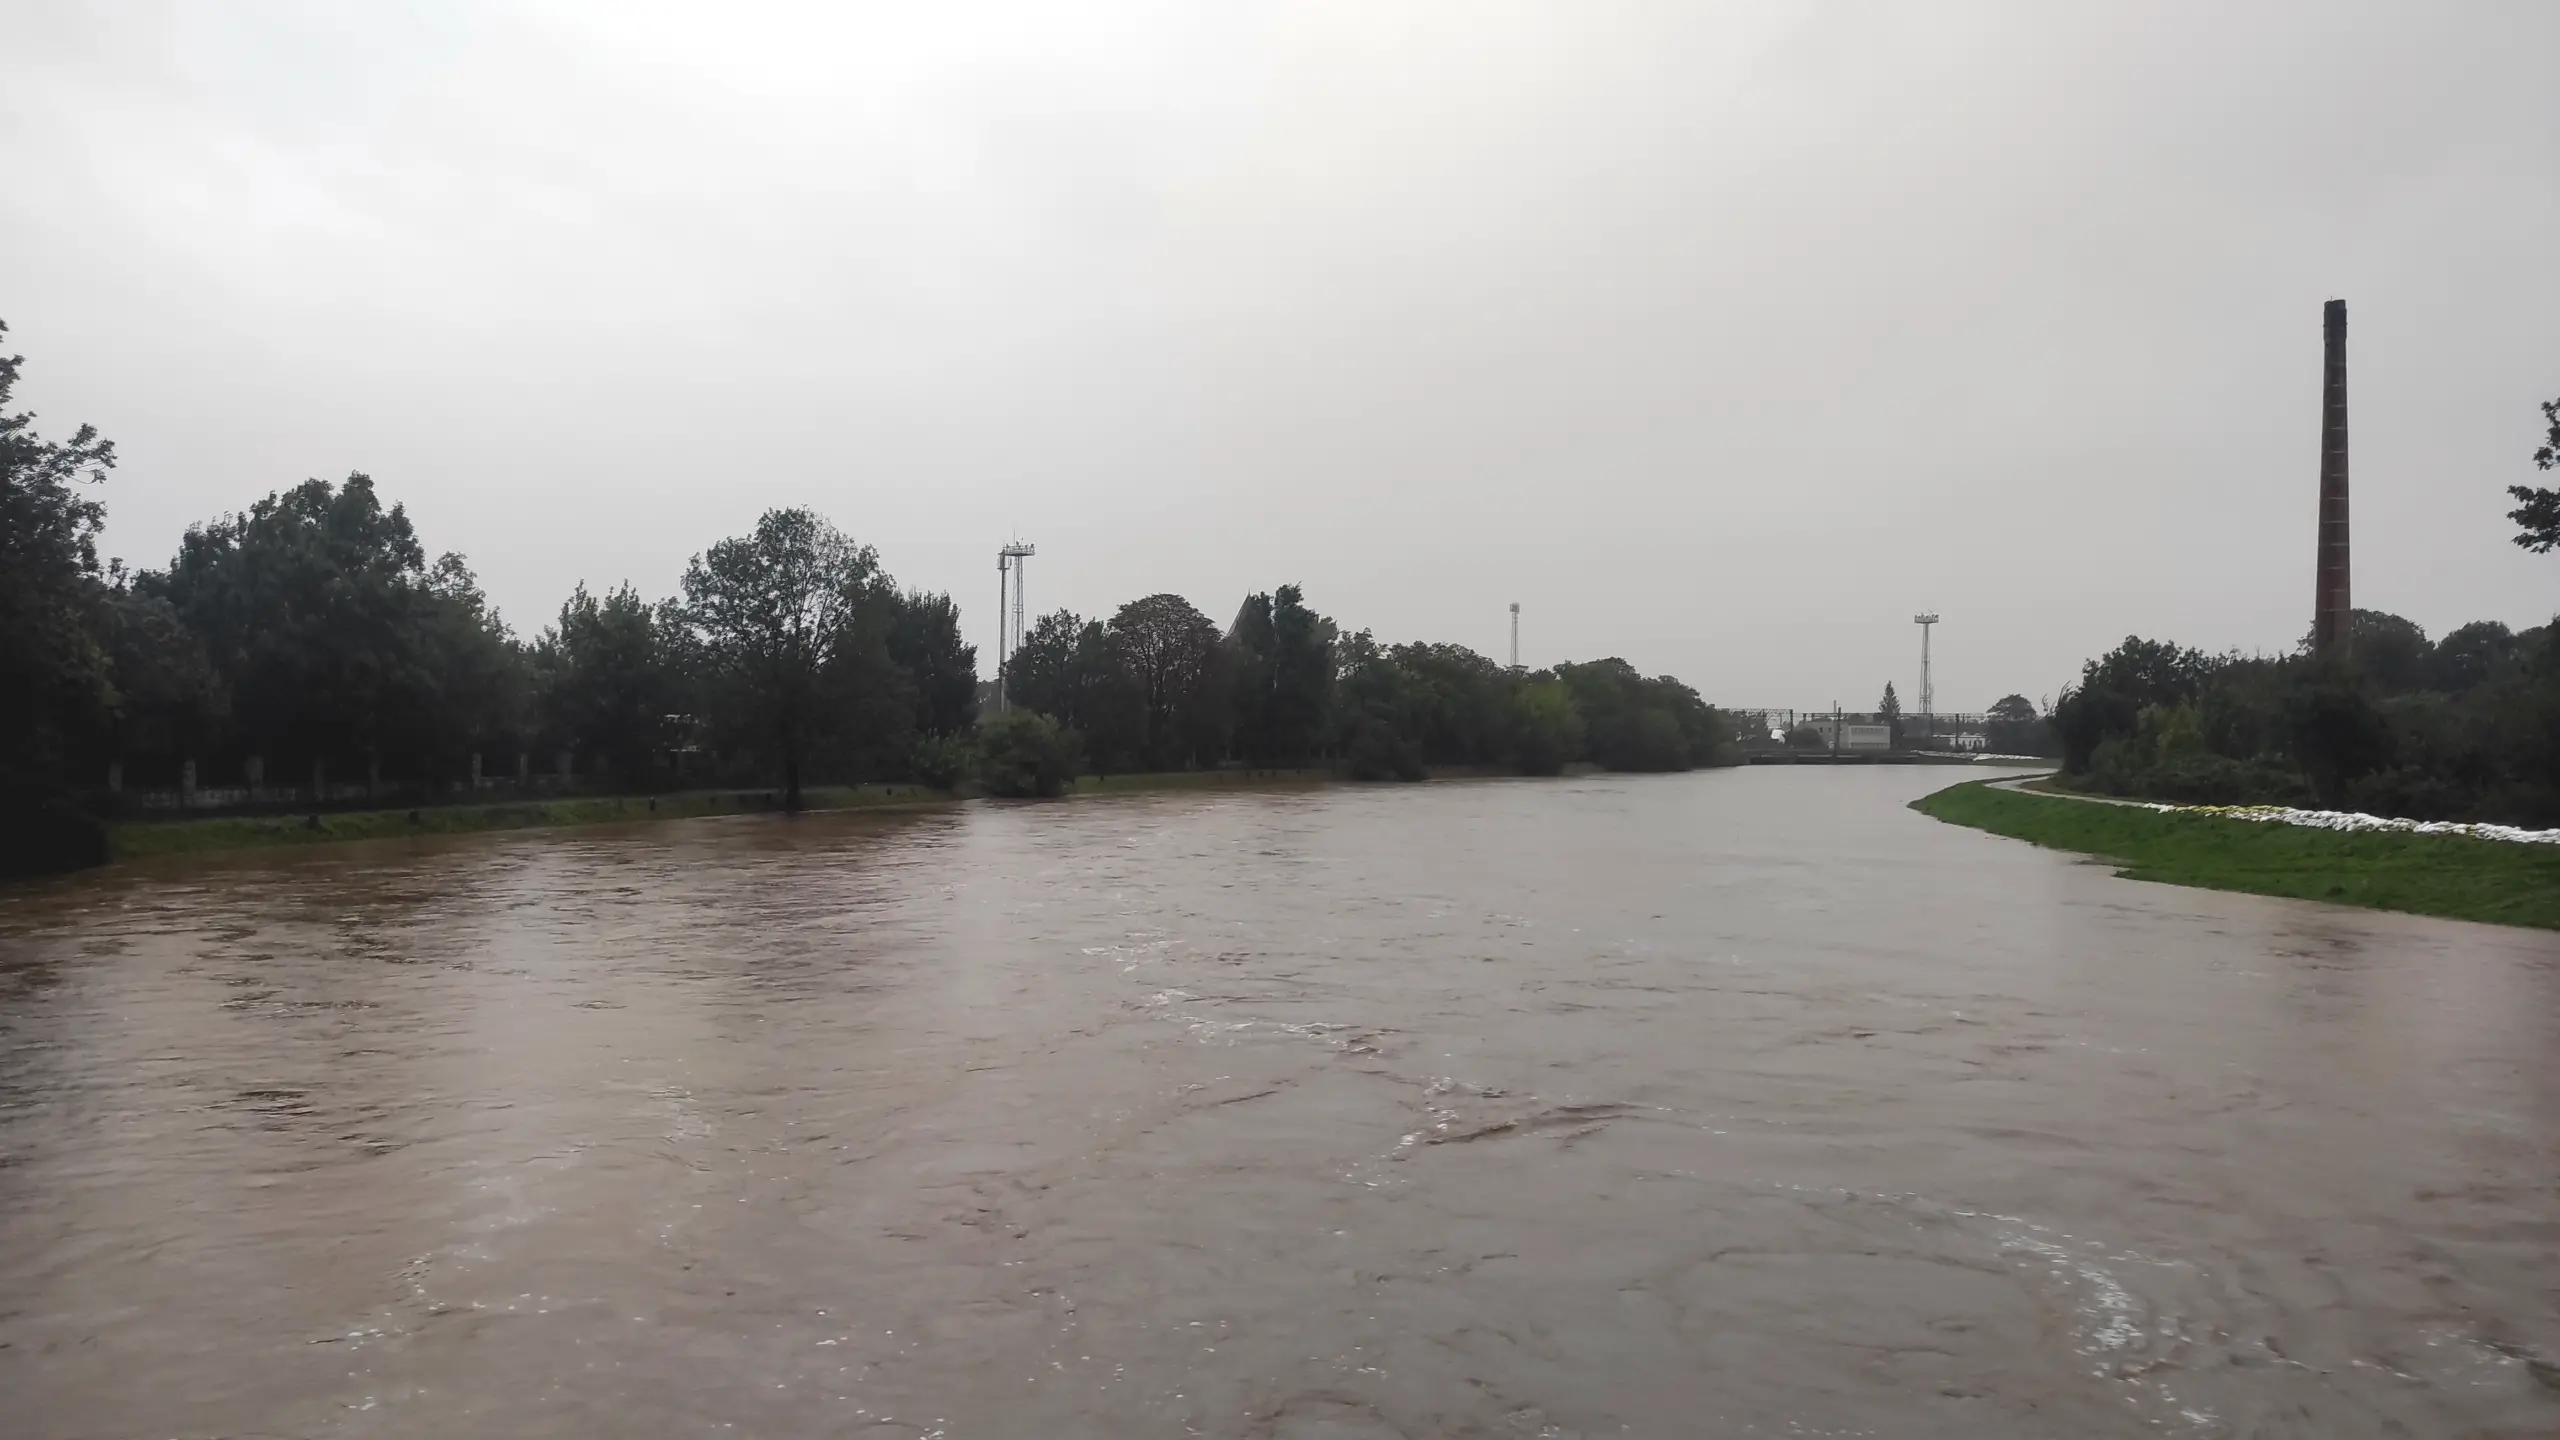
[(943, 761), (42, 831), (1024, 753), (1377, 752)]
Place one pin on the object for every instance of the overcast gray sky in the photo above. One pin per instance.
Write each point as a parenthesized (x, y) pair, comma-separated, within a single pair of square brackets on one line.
[(1720, 338)]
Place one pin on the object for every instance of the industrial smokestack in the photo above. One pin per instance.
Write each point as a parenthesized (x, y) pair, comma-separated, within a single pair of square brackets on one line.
[(2329, 604)]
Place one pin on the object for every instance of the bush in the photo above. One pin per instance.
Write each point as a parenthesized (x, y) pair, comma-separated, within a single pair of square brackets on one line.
[(1377, 752), (43, 831), (1024, 753), (943, 761)]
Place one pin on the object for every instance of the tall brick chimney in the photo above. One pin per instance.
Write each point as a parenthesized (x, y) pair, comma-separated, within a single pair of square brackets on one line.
[(2329, 604)]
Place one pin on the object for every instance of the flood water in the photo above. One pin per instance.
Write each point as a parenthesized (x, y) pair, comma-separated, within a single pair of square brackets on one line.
[(1745, 1103)]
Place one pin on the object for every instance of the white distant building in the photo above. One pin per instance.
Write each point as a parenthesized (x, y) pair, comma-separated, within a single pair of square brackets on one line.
[(1852, 735)]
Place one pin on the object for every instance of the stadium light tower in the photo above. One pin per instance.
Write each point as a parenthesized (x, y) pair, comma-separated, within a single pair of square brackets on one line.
[(1928, 695), (1012, 568)]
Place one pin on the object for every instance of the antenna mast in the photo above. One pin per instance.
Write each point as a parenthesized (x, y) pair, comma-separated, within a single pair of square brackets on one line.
[(1928, 694), (1515, 634)]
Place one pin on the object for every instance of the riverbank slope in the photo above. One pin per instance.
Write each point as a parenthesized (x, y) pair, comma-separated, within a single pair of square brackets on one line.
[(137, 839), (2451, 876)]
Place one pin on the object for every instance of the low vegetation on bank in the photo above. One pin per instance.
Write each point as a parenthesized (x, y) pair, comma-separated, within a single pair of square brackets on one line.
[(2451, 876), (141, 838), (208, 834)]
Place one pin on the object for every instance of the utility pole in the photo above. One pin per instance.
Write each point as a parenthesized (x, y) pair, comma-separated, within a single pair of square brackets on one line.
[(1515, 634), (1928, 694)]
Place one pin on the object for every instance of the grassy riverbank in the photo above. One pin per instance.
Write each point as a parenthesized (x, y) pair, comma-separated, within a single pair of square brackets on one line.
[(136, 839), (2447, 875)]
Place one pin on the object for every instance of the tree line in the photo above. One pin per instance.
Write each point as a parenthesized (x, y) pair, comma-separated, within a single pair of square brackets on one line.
[(1158, 686), (2462, 728), (2466, 727), (310, 636)]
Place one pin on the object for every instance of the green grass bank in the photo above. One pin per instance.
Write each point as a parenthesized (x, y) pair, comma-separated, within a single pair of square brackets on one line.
[(136, 839), (140, 839), (2451, 876)]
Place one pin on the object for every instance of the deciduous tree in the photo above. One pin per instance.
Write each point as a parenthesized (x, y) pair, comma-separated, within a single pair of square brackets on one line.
[(2537, 517), (769, 610), (55, 676)]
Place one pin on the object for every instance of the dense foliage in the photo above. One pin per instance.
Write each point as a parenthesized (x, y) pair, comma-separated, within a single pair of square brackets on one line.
[(2466, 727), (1285, 687), (308, 649), (2537, 513)]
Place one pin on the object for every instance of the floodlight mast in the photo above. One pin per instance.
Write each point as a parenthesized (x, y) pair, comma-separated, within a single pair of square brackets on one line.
[(1012, 569)]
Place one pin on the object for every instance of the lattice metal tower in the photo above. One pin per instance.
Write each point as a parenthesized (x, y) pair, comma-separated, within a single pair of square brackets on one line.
[(1515, 634), (1012, 568), (1928, 692)]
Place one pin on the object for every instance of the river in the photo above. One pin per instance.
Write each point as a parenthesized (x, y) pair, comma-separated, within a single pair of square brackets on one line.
[(1742, 1103)]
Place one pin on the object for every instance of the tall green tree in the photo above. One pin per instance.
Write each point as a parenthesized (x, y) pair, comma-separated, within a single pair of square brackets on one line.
[(2013, 710), (2537, 517), (925, 642), (2014, 727), (1377, 719), (2117, 687), (1251, 650), (607, 685), (169, 701), (769, 610), (2470, 655), (56, 680), (872, 703), (336, 639), (1280, 654), (1170, 657), (1055, 667), (1456, 704), (2393, 652), (1301, 698)]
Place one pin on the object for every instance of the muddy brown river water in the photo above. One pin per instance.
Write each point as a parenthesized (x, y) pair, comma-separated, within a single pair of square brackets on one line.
[(1747, 1103)]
